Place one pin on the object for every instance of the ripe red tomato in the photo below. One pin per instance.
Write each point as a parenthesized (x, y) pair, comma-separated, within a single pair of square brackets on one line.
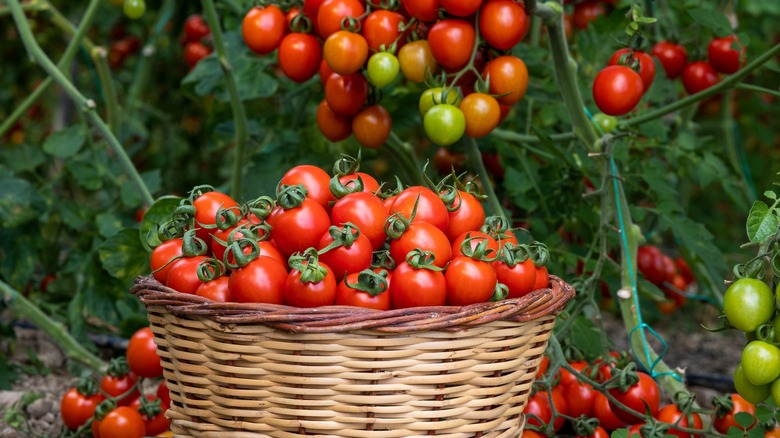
[(519, 279), (142, 354), (263, 28), (643, 393), (163, 393), (542, 278), (412, 287), (649, 263), (482, 112), (366, 211), (156, 424), (698, 76), (345, 52), (469, 281), (477, 237), (77, 408), (724, 58), (195, 28), (345, 260), (207, 206), (580, 397), (310, 294), (724, 423), (646, 65), (560, 403), (194, 51), (116, 385), (671, 414), (617, 90), (430, 208), (416, 60), (602, 409), (299, 56), (381, 29), (183, 276), (370, 184), (348, 296), (587, 11), (452, 42), (332, 12), (372, 126), (260, 281), (162, 255), (216, 290), (122, 422), (508, 78), (346, 94), (316, 181), (467, 214), (296, 229), (537, 410), (503, 23), (528, 433), (673, 57), (426, 237), (461, 8), (423, 10), (332, 127), (567, 377)]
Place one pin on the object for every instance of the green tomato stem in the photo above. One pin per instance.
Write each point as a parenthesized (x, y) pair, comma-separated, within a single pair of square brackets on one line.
[(239, 113), (757, 89)]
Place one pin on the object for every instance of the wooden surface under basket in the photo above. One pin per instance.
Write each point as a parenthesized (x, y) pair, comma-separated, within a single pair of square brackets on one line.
[(260, 370)]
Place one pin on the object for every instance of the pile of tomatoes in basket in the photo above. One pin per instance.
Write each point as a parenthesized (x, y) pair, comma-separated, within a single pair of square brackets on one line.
[(342, 239), (358, 48)]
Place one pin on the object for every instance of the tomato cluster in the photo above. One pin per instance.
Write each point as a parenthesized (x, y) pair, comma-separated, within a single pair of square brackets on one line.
[(672, 276), (724, 55), (459, 48), (343, 240), (194, 40), (114, 406), (618, 87)]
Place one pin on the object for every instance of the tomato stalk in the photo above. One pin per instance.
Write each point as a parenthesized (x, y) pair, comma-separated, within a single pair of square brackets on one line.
[(54, 329), (239, 113), (86, 105)]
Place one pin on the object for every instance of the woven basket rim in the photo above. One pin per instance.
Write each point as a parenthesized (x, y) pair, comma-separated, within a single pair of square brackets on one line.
[(340, 319)]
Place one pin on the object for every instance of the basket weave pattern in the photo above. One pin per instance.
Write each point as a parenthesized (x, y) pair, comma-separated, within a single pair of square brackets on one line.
[(259, 370)]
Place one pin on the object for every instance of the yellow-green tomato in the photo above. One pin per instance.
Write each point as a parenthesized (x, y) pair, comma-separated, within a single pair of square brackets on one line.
[(748, 303), (753, 393), (605, 122), (444, 124), (435, 96), (134, 9), (774, 388), (383, 68), (760, 362)]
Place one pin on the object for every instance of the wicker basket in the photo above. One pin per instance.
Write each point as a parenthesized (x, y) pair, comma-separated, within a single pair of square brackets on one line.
[(260, 370)]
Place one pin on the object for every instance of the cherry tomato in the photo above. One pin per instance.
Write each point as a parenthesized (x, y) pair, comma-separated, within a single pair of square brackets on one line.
[(503, 23), (646, 65), (435, 96), (528, 433), (537, 410), (366, 211), (134, 9), (115, 386), (346, 94), (310, 294), (760, 362), (348, 296), (724, 58), (332, 127), (423, 10), (587, 11), (748, 303), (412, 287), (345, 260), (207, 207), (183, 276), (482, 114), (325, 72), (425, 236), (520, 279), (195, 28), (469, 281), (461, 8), (444, 124), (122, 422), (698, 76), (345, 52), (606, 123), (382, 68), (579, 397), (297, 229), (332, 12), (216, 290), (163, 256), (264, 28), (194, 51), (476, 237), (542, 278), (430, 208), (617, 90), (727, 421), (559, 403), (371, 126), (671, 414), (452, 42), (416, 60), (163, 393), (753, 393), (370, 184), (316, 181), (602, 409), (142, 354), (77, 408), (260, 281), (381, 29), (156, 424), (643, 394), (466, 214), (673, 57), (508, 77), (299, 56)]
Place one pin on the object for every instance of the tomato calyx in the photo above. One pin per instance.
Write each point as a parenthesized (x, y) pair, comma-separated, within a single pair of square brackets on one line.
[(480, 251), (341, 189), (344, 235), (88, 387), (308, 265), (104, 408), (192, 245), (382, 260), (421, 259), (300, 24), (117, 367), (261, 207), (210, 269), (584, 426), (289, 197), (150, 408), (235, 257), (723, 405), (498, 228), (370, 282), (623, 378)]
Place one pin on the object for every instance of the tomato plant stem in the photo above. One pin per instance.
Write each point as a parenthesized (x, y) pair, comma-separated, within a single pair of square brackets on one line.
[(749, 87), (143, 69), (474, 158), (54, 329), (86, 105), (239, 113), (99, 54)]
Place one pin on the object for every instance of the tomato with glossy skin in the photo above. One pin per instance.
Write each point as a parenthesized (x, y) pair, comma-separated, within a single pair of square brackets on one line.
[(748, 303), (724, 58), (332, 12), (469, 281), (296, 229), (643, 393), (727, 421), (646, 65), (345, 52), (346, 94), (332, 127), (482, 113), (77, 408), (508, 77), (371, 126), (163, 393), (602, 409), (325, 72), (412, 287), (216, 290), (519, 279), (673, 57), (370, 184), (311, 8), (477, 237), (617, 90), (587, 11), (382, 68), (310, 294), (122, 422), (599, 432), (263, 28), (260, 281), (537, 410), (567, 377), (299, 56), (651, 263), (156, 424), (698, 76), (606, 123), (134, 9), (162, 256), (467, 214), (760, 362), (316, 181), (461, 8), (366, 211), (542, 278), (346, 260), (194, 51), (451, 42), (207, 206), (183, 276), (416, 60), (142, 355), (435, 96), (444, 124), (115, 386), (381, 29), (670, 414), (425, 236), (580, 397), (423, 10), (503, 23), (559, 405), (195, 28), (430, 207), (347, 296), (290, 15)]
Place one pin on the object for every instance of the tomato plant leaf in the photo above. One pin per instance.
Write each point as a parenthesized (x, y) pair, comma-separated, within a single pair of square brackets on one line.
[(77, 324), (22, 157), (108, 224), (770, 194), (711, 19), (761, 222), (19, 202), (620, 433), (67, 142), (86, 172), (586, 337), (161, 210), (18, 255), (7, 374), (123, 256)]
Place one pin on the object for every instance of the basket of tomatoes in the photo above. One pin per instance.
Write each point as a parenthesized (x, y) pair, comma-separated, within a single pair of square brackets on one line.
[(344, 309)]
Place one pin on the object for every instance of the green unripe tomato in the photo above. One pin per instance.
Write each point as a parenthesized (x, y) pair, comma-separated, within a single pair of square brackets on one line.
[(748, 303), (760, 362), (433, 96), (605, 122), (134, 9), (383, 68), (774, 388), (444, 124), (753, 393)]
